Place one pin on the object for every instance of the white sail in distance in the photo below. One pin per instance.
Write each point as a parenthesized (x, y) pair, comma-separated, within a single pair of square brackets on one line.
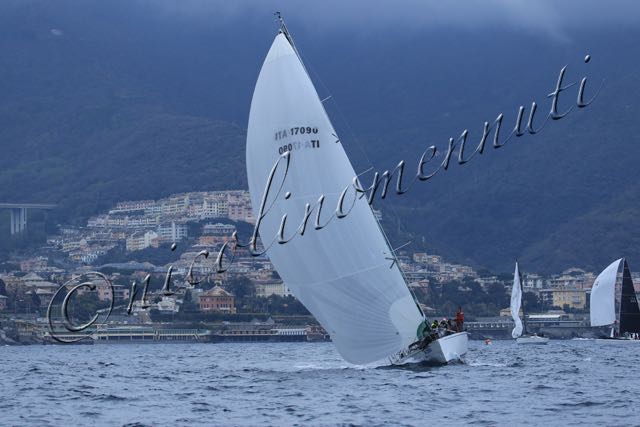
[(341, 273), (602, 301), (516, 303)]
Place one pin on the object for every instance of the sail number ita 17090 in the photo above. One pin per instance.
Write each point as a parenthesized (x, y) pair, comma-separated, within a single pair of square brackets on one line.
[(299, 130), (296, 145)]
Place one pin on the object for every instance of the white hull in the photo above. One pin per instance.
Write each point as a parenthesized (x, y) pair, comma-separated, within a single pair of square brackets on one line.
[(447, 349), (532, 339)]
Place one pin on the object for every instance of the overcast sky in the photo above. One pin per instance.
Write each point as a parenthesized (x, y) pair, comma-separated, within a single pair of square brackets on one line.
[(549, 17), (560, 20)]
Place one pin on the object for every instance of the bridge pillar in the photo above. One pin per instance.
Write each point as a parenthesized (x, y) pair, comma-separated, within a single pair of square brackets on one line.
[(18, 220)]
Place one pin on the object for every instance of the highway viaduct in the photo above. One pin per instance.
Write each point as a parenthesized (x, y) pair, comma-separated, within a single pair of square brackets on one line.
[(19, 213)]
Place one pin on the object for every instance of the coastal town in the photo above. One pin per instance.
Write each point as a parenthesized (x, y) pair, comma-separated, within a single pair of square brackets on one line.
[(141, 240)]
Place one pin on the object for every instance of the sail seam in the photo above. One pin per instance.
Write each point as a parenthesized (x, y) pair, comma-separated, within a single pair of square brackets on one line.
[(351, 274)]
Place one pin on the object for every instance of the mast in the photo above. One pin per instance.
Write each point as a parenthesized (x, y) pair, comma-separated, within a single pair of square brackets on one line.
[(283, 27), (285, 32), (615, 330)]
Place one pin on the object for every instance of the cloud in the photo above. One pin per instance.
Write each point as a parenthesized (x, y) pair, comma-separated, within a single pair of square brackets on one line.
[(551, 18), (558, 20)]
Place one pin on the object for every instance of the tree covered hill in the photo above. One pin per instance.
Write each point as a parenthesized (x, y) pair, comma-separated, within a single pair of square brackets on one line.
[(108, 101)]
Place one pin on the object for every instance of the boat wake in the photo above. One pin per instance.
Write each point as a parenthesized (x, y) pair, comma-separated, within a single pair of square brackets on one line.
[(423, 365), (488, 364), (314, 367)]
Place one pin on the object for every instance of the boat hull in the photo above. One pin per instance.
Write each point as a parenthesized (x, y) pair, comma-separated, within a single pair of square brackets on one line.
[(448, 349), (533, 339)]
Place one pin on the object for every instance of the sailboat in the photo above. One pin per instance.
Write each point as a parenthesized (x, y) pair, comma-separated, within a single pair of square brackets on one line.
[(344, 271), (614, 303), (521, 325)]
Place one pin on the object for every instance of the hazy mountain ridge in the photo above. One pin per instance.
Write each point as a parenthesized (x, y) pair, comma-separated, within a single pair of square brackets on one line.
[(119, 104)]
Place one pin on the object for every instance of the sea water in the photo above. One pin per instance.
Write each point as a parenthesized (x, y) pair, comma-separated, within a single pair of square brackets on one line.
[(562, 383)]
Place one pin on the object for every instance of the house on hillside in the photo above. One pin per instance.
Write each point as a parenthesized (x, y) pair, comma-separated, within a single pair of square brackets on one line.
[(217, 300)]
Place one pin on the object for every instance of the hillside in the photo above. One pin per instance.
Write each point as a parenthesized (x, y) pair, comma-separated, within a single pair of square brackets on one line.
[(105, 102)]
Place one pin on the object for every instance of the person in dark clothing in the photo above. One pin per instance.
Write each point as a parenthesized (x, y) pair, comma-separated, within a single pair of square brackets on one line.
[(460, 320)]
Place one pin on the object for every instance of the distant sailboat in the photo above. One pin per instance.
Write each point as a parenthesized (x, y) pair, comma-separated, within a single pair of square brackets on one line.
[(615, 304), (521, 325), (342, 273)]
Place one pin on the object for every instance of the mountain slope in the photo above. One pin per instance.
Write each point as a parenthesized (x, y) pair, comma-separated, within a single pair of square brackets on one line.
[(124, 100)]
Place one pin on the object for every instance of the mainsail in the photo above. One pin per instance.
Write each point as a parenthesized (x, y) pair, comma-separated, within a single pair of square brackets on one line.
[(516, 302), (342, 273), (629, 310), (603, 301)]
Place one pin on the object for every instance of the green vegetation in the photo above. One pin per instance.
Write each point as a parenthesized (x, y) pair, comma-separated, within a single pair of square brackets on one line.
[(445, 298), (21, 301), (84, 306), (246, 301), (114, 109), (157, 256)]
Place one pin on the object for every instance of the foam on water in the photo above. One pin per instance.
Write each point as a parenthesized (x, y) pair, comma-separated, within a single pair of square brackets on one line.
[(564, 382)]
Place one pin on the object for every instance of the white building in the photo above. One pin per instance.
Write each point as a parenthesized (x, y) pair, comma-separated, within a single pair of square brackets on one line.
[(172, 232), (266, 289), (141, 240), (168, 305), (218, 229), (533, 281)]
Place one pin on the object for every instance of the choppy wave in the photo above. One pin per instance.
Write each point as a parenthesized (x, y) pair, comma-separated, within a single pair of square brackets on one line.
[(577, 382)]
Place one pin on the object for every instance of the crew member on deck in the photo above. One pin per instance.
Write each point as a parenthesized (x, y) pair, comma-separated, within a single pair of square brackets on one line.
[(460, 320)]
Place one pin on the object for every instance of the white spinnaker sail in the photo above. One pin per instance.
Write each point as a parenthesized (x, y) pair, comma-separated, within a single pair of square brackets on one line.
[(341, 273), (603, 291), (516, 303)]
